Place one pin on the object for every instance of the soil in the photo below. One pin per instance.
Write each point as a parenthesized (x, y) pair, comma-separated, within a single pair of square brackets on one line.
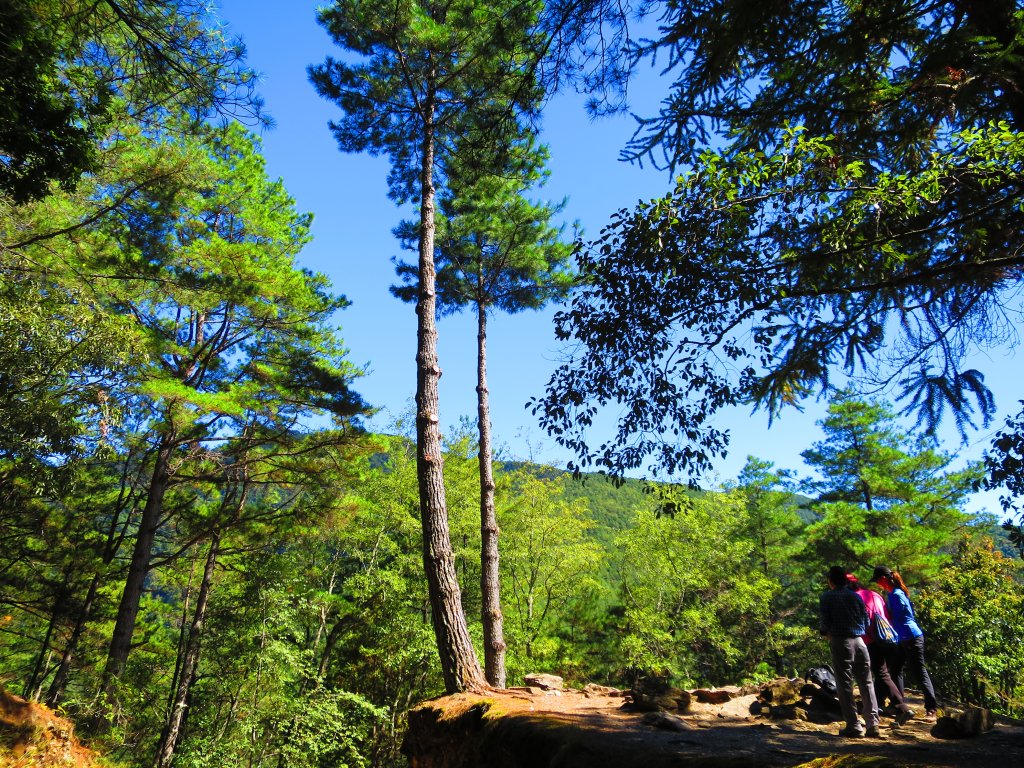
[(33, 735), (531, 728)]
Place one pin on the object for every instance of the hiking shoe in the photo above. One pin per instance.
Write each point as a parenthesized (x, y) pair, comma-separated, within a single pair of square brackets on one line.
[(903, 715), (852, 733), (874, 733), (931, 716)]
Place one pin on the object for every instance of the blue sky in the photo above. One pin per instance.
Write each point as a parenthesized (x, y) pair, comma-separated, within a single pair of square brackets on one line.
[(353, 245)]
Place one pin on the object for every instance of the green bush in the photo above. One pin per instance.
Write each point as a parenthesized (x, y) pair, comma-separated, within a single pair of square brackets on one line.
[(973, 618)]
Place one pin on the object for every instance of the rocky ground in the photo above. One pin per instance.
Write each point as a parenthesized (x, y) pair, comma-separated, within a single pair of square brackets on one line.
[(531, 727)]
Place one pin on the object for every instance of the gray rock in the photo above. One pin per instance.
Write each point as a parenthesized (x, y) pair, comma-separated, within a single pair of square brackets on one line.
[(665, 721), (544, 682), (741, 706)]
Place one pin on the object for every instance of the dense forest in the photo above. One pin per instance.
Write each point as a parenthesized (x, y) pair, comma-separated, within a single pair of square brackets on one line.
[(208, 559)]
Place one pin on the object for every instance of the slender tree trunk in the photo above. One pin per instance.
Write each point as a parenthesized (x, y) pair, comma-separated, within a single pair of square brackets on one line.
[(55, 692), (183, 634), (34, 686), (172, 731), (131, 598), (459, 664), (113, 543), (490, 580), (332, 640)]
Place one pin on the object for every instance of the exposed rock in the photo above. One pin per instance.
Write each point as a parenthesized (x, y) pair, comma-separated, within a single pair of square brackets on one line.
[(544, 682), (822, 706), (716, 696), (781, 691), (963, 724), (641, 702), (682, 699), (741, 706), (653, 695), (510, 730), (593, 689), (794, 711), (667, 700), (665, 721)]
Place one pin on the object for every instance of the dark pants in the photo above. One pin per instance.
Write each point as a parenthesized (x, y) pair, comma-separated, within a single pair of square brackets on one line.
[(850, 662), (912, 658), (886, 656)]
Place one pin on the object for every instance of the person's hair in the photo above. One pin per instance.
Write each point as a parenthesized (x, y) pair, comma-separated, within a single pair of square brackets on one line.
[(897, 581), (853, 582), (837, 575)]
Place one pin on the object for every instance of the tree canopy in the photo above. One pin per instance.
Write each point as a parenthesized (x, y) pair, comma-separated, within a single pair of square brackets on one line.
[(851, 201), (67, 68)]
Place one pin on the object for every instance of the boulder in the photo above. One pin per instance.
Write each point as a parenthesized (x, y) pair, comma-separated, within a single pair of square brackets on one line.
[(673, 700), (652, 695), (741, 706), (781, 691), (795, 711), (593, 690), (823, 711), (665, 721), (544, 682), (963, 724), (822, 706), (717, 696)]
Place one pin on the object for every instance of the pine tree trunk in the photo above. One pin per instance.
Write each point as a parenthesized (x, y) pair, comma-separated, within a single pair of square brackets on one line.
[(490, 579), (131, 597), (459, 664), (172, 731)]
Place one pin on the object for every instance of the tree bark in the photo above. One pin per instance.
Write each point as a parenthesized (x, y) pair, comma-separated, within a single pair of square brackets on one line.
[(459, 664), (131, 597), (176, 716), (490, 579)]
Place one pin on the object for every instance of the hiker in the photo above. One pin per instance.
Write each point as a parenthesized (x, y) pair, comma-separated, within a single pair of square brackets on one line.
[(844, 620), (901, 612), (884, 651)]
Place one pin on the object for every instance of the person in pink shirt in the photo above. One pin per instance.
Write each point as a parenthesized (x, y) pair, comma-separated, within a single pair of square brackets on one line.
[(883, 655)]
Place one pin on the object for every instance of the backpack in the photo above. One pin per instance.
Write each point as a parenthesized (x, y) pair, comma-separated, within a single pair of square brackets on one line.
[(882, 631), (823, 677)]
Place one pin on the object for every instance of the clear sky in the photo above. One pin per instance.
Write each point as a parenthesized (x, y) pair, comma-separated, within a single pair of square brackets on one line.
[(353, 245)]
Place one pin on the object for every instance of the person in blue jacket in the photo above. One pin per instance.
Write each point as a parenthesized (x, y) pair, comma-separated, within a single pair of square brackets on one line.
[(901, 612)]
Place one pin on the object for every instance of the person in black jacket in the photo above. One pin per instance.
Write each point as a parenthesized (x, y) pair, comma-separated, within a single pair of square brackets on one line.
[(844, 619)]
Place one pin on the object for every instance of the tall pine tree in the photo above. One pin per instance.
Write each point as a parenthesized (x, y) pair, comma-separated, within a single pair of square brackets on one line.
[(496, 250), (429, 70)]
